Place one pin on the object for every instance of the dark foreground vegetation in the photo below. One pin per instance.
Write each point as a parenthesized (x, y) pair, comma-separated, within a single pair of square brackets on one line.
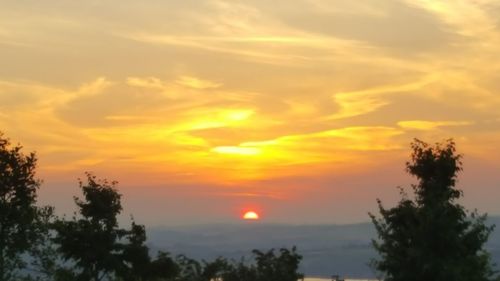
[(426, 237), (430, 236)]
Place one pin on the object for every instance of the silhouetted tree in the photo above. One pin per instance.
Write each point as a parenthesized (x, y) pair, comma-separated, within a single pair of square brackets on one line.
[(99, 249), (18, 186), (43, 253), (266, 266), (215, 270), (137, 265), (241, 271), (282, 267), (135, 255), (163, 268), (92, 241), (431, 237), (189, 269), (45, 261)]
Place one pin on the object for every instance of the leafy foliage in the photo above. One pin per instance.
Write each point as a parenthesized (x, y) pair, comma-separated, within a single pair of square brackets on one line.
[(99, 249), (18, 186), (92, 240), (44, 263), (137, 265), (266, 266), (432, 237), (282, 267), (163, 268)]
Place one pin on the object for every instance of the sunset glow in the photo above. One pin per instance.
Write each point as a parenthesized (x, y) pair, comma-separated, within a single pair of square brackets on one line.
[(200, 107), (251, 216), (237, 150)]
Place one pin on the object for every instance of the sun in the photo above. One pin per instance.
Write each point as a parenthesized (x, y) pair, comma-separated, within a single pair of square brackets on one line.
[(250, 215)]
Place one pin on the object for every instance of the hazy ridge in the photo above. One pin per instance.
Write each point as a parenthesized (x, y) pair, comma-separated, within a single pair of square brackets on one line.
[(327, 249)]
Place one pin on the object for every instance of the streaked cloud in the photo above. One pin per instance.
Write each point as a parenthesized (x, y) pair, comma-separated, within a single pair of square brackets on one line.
[(243, 98), (239, 150), (430, 125), (197, 83)]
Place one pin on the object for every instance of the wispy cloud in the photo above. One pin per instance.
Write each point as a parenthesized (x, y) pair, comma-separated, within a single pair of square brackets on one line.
[(224, 90), (430, 125), (197, 83), (366, 101)]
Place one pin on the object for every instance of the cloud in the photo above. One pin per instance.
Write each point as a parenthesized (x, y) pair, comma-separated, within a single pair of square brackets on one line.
[(125, 102), (468, 18), (396, 26), (148, 82), (222, 46), (196, 83), (209, 118), (430, 125), (308, 147), (238, 150), (219, 89), (366, 101)]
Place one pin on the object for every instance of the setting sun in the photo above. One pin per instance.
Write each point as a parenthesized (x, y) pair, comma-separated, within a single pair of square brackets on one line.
[(251, 216)]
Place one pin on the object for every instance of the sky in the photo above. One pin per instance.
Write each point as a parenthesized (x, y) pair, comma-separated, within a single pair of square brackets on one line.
[(302, 110)]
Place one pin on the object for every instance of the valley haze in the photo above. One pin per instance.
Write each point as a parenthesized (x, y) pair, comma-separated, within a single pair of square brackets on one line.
[(327, 249)]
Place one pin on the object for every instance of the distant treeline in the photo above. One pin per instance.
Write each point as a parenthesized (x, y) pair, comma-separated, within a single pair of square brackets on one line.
[(427, 236)]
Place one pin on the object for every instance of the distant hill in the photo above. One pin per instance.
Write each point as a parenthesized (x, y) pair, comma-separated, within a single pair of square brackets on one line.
[(327, 249)]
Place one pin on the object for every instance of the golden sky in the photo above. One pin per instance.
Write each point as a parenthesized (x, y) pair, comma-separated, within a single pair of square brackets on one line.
[(205, 107)]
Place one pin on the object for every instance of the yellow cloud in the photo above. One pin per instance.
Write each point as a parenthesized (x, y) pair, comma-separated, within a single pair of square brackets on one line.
[(208, 118), (289, 154), (95, 87), (468, 17), (128, 118), (297, 146), (430, 125), (196, 83), (286, 96), (362, 102), (149, 82), (237, 150)]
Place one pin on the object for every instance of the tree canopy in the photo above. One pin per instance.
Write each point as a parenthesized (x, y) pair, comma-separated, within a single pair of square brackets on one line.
[(91, 241), (18, 212), (431, 236)]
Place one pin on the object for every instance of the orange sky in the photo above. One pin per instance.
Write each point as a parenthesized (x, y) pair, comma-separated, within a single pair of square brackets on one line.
[(301, 109)]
